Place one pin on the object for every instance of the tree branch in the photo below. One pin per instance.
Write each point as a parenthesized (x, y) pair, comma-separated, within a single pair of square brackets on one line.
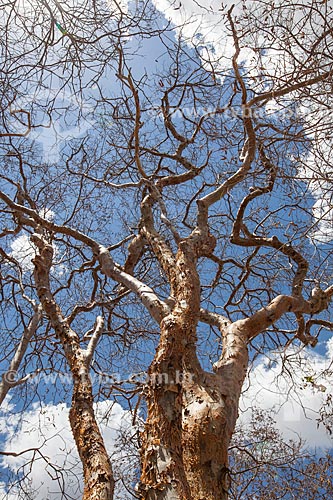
[(8, 378), (94, 338)]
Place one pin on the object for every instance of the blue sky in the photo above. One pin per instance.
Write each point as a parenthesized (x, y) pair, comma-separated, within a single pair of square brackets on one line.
[(267, 388)]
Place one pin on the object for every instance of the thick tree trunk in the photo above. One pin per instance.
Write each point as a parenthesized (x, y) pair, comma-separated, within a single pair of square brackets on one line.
[(191, 418), (191, 413)]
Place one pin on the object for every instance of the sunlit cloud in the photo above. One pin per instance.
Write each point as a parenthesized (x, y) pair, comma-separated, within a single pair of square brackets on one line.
[(295, 396), (24, 251), (56, 467)]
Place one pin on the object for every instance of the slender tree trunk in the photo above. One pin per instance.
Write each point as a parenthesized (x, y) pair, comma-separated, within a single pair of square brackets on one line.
[(98, 478), (97, 470), (9, 377)]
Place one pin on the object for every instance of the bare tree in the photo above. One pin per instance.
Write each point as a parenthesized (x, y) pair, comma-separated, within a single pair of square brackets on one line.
[(180, 215)]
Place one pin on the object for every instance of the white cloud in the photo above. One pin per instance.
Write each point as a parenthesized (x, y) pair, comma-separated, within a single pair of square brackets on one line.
[(116, 5), (329, 347), (203, 24), (317, 170), (295, 396), (47, 213), (23, 250), (55, 130), (47, 427), (322, 212)]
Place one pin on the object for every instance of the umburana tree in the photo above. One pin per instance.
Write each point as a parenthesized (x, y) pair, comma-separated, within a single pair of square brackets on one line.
[(189, 201)]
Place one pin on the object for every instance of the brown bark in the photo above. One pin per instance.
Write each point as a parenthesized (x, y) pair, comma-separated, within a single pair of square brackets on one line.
[(191, 413), (191, 418), (98, 478)]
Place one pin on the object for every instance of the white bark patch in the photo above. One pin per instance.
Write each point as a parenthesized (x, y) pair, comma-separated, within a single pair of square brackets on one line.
[(196, 408), (163, 459)]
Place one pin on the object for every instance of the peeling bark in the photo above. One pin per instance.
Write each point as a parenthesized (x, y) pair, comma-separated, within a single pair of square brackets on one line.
[(192, 414), (191, 418), (98, 478)]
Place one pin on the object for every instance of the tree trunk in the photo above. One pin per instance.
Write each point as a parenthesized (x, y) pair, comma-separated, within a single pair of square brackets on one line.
[(98, 478), (191, 417)]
